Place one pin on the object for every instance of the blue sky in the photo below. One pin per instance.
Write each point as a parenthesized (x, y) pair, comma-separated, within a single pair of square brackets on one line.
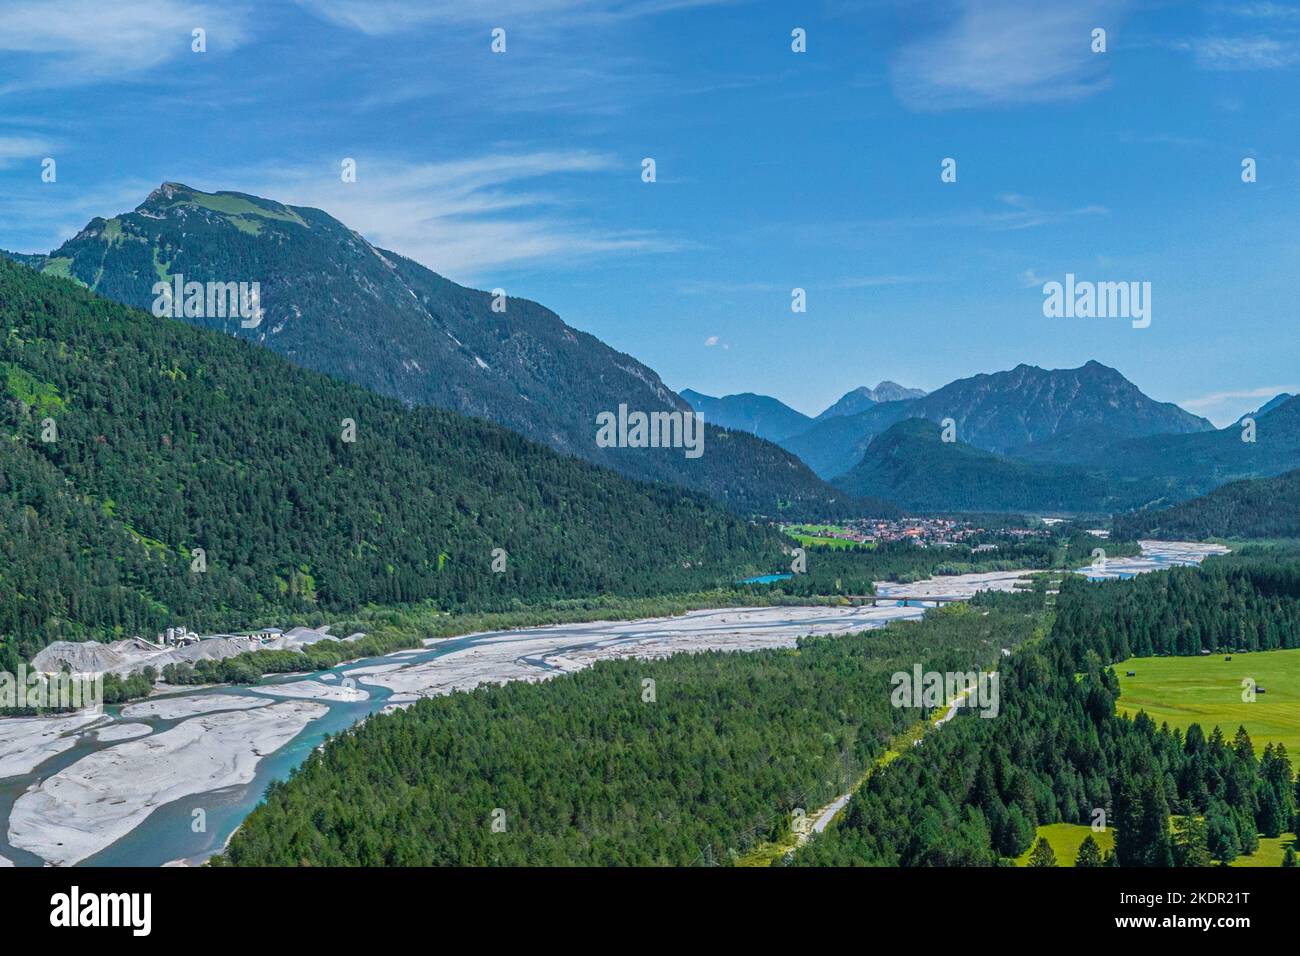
[(775, 170)]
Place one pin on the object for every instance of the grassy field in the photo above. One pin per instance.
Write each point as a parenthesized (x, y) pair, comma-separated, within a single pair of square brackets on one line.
[(1270, 852), (1066, 838), (1207, 690), (807, 534)]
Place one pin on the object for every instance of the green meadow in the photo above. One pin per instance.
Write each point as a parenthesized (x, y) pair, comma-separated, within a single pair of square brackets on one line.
[(809, 534), (1208, 690), (1066, 838)]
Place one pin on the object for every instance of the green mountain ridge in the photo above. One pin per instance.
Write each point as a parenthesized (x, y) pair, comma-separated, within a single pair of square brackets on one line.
[(907, 464), (1163, 469), (1252, 508), (910, 464)]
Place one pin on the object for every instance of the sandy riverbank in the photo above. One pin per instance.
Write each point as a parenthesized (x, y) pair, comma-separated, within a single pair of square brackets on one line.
[(544, 652), (93, 803), (314, 690), (1156, 555), (959, 585), (170, 708), (116, 732), (27, 742)]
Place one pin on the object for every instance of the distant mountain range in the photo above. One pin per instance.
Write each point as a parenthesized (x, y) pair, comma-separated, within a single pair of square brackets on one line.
[(1083, 439), (1162, 469), (1268, 406), (334, 303), (774, 420), (1005, 412), (1087, 470)]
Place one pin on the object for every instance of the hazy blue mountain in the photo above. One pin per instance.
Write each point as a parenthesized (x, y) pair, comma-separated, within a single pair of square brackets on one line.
[(760, 415), (1172, 468), (334, 303), (907, 464), (911, 465), (862, 398), (834, 445), (1005, 412)]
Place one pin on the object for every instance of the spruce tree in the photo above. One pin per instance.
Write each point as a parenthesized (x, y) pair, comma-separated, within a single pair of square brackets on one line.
[(1191, 847), (1089, 853), (1043, 854)]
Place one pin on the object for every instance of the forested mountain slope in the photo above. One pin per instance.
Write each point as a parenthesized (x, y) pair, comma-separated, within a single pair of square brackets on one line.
[(910, 464), (588, 773), (1254, 508), (1057, 752), (169, 438)]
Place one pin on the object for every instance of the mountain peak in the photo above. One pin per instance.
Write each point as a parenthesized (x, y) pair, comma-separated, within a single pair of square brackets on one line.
[(760, 415), (166, 192), (330, 301), (862, 397), (1280, 399), (1097, 368)]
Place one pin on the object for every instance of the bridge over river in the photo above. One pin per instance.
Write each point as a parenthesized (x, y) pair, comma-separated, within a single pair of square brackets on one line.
[(875, 599)]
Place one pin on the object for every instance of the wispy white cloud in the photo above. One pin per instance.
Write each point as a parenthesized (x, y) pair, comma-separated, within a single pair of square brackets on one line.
[(1006, 52), (1241, 52), (381, 17), (1224, 408), (70, 42), (1260, 11), (1014, 211), (15, 149), (465, 218), (563, 56), (1245, 36), (1030, 278)]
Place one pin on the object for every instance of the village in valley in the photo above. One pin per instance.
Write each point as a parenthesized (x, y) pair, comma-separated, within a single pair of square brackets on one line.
[(924, 532)]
